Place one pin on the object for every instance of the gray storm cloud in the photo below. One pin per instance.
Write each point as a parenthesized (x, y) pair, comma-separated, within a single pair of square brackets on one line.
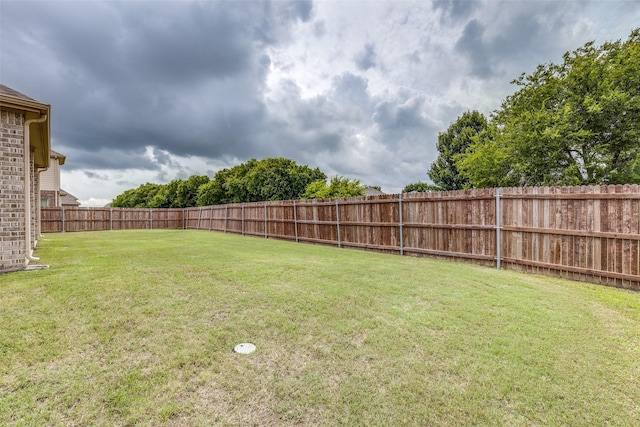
[(146, 90)]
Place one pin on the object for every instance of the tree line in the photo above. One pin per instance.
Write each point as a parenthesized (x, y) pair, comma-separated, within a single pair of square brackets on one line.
[(252, 181), (575, 123)]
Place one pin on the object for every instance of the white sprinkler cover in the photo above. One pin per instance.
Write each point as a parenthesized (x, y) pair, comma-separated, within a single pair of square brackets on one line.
[(244, 348)]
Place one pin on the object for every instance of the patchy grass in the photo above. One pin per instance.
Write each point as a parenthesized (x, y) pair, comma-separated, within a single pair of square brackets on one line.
[(137, 327)]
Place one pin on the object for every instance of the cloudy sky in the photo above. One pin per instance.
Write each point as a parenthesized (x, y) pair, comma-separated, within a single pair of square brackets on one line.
[(150, 91)]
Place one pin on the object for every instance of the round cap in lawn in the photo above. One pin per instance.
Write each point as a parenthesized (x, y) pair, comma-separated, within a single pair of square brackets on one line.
[(245, 348)]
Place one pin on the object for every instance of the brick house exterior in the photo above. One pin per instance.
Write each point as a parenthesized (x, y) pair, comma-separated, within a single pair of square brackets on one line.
[(24, 122)]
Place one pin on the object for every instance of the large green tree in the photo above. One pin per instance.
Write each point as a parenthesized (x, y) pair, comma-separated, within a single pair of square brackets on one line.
[(167, 196), (338, 187), (279, 179), (576, 123), (187, 191), (419, 187), (252, 181), (215, 192), (487, 162), (176, 194), (444, 172), (137, 197), (259, 180)]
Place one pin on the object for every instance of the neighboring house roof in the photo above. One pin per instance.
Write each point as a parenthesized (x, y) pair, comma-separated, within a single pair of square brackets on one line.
[(39, 132), (6, 90), (68, 199), (61, 157), (370, 191)]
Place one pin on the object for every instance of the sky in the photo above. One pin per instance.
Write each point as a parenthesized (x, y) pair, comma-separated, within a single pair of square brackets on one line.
[(150, 91)]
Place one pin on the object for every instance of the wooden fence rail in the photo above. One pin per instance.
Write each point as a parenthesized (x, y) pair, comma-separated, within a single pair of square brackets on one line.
[(582, 233)]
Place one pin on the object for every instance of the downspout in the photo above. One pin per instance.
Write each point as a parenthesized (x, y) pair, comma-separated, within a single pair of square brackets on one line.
[(27, 186), (39, 171)]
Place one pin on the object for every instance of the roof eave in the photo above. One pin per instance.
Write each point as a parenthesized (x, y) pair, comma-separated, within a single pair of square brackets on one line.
[(40, 132), (61, 157)]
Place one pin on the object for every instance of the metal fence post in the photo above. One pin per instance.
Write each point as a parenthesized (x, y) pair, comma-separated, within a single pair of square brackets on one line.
[(295, 219), (400, 223), (338, 224), (498, 229)]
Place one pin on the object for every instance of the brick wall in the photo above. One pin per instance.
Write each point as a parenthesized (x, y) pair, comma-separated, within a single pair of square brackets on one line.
[(12, 221)]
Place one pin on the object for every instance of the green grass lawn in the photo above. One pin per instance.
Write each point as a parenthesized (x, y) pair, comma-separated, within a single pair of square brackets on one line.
[(138, 327)]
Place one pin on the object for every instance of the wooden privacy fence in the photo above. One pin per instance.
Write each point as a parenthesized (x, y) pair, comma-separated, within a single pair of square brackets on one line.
[(582, 233), (54, 220)]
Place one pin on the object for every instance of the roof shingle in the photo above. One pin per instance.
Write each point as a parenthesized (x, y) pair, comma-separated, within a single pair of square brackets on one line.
[(6, 90)]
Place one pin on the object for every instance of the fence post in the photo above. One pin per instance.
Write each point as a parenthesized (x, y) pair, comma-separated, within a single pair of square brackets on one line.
[(243, 218), (183, 220), (400, 223), (151, 218), (266, 236), (295, 219), (498, 229), (226, 208), (210, 217), (338, 224), (111, 219), (63, 219), (199, 218)]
